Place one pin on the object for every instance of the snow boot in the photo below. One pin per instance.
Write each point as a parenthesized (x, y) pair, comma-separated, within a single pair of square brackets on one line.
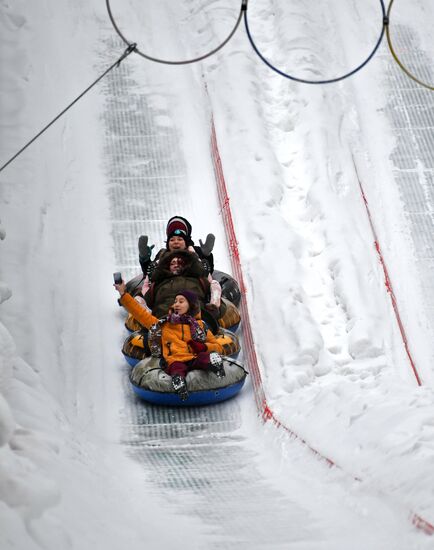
[(216, 365), (180, 386)]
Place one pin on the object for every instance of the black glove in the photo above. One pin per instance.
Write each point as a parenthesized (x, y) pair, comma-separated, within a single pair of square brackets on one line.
[(208, 245), (145, 251)]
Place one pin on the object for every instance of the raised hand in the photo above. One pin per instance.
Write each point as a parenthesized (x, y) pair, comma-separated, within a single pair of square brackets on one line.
[(145, 251), (208, 245)]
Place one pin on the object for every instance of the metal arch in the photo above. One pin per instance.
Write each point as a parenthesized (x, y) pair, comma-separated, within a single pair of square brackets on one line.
[(329, 81), (185, 62), (395, 56)]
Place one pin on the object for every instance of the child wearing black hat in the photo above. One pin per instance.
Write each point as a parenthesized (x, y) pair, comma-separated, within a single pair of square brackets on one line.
[(185, 343), (178, 237)]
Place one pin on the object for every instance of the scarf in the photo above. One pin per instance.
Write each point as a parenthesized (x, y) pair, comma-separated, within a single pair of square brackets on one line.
[(197, 332)]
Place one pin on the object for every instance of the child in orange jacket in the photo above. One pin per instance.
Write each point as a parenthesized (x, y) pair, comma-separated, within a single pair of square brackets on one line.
[(185, 343)]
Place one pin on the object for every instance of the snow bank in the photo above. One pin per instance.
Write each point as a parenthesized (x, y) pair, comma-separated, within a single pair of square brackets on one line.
[(331, 355), (64, 481)]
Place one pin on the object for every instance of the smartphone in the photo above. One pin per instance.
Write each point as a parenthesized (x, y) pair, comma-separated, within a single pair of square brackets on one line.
[(117, 277)]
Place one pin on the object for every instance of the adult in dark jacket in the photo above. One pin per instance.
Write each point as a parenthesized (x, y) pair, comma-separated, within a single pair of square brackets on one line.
[(175, 271), (178, 231)]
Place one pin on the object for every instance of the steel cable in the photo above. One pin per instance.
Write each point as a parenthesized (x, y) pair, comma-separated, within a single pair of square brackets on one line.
[(126, 53)]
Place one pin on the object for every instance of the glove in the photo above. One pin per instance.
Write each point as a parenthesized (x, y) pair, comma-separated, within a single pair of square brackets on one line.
[(197, 347), (145, 251), (146, 286), (214, 310), (208, 245)]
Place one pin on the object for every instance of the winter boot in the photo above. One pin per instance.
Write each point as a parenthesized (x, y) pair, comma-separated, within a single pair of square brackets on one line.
[(180, 386), (216, 365)]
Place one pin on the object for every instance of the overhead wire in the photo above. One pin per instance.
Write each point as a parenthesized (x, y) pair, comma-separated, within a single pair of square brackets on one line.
[(126, 53)]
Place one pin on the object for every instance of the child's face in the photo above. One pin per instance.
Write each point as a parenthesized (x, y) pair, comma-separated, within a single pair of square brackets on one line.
[(180, 305), (176, 266), (177, 243)]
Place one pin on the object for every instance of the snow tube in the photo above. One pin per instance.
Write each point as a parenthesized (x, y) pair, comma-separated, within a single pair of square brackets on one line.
[(152, 384), (230, 318), (131, 324), (230, 288), (136, 348), (134, 285)]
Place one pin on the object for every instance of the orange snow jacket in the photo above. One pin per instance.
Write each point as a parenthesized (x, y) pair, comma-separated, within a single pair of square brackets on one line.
[(174, 337)]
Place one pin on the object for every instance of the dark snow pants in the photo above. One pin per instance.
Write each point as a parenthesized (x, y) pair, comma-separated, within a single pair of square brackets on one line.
[(199, 362)]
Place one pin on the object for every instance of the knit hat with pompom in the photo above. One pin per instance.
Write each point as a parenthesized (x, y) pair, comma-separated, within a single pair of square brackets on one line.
[(179, 227)]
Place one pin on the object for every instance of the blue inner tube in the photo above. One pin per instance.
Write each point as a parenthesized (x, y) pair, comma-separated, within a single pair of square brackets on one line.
[(132, 361), (195, 398)]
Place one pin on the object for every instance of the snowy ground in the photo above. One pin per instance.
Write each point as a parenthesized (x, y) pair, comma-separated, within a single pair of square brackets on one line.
[(331, 355)]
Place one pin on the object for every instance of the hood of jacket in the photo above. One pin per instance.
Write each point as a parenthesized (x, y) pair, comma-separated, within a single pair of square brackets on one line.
[(193, 266)]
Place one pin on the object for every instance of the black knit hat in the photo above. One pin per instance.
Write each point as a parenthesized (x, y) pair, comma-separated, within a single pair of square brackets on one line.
[(192, 299), (178, 226), (178, 222)]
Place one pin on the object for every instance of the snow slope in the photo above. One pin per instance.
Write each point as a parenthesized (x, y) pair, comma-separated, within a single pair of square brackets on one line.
[(341, 369), (331, 355)]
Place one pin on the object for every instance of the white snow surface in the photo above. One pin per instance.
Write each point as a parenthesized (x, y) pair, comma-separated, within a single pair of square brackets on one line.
[(331, 356)]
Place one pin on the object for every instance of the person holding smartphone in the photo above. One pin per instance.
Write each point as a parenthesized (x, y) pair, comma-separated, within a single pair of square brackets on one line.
[(180, 337)]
